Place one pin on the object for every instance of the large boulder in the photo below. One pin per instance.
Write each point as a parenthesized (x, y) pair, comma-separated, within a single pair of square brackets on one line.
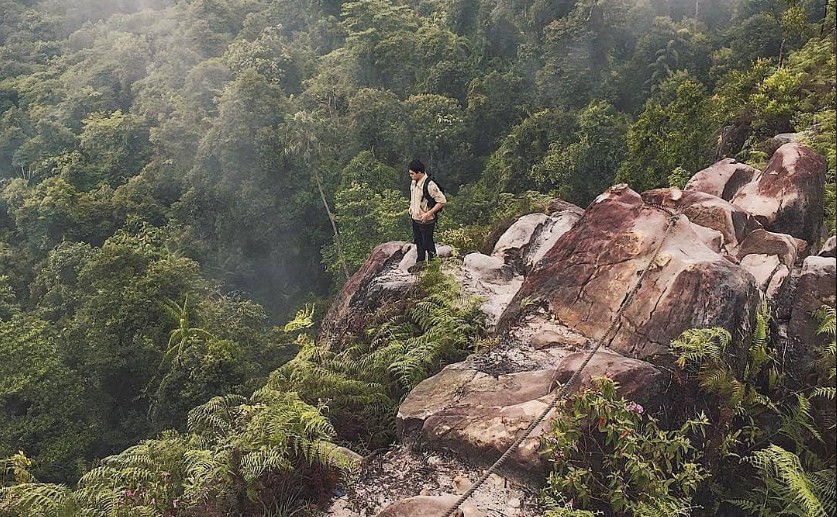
[(770, 273), (529, 238), (768, 256), (479, 407), (379, 280), (722, 179), (637, 380), (488, 268), (585, 277), (712, 212), (709, 211), (816, 287), (490, 279), (495, 279), (829, 247), (481, 435), (788, 196), (782, 245), (562, 217), (513, 245)]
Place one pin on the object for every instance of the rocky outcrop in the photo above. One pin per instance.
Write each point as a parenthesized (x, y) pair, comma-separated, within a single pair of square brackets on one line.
[(560, 220), (713, 212), (513, 245), (828, 249), (768, 271), (788, 196), (554, 283), (780, 245), (497, 278), (529, 238), (479, 406), (583, 280), (722, 179), (637, 380), (377, 281), (490, 279)]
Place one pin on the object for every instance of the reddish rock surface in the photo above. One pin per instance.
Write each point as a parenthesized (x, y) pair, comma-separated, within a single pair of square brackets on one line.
[(788, 196), (638, 381), (712, 212), (768, 243), (587, 274), (722, 179), (816, 287), (363, 293)]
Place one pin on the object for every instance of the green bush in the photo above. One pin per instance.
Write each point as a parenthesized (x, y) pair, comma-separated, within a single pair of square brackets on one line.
[(609, 456)]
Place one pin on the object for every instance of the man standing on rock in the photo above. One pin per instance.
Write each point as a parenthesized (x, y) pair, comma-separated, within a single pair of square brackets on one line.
[(426, 199)]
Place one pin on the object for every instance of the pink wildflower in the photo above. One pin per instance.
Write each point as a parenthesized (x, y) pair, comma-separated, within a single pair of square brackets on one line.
[(634, 407)]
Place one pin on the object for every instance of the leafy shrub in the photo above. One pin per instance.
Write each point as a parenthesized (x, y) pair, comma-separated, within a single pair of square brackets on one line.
[(765, 435), (609, 456), (406, 342), (232, 462)]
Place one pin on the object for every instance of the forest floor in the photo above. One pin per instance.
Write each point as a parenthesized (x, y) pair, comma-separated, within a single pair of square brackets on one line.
[(402, 473)]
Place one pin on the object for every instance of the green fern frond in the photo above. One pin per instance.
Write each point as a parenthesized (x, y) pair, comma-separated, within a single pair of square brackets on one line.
[(787, 482), (755, 507), (722, 382), (406, 370), (828, 392), (797, 422), (695, 346), (381, 358), (37, 499), (263, 459), (304, 319), (215, 417), (825, 484), (827, 318), (97, 475)]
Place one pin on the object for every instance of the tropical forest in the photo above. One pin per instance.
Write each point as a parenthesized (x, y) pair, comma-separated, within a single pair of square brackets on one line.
[(209, 299)]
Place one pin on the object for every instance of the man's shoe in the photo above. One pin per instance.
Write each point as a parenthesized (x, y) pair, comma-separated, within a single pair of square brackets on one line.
[(415, 268)]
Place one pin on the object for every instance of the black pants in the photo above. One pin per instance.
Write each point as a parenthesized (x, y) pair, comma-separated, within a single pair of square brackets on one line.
[(423, 237)]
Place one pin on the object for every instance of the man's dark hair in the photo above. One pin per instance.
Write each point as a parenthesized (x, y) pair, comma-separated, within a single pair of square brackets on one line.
[(416, 165)]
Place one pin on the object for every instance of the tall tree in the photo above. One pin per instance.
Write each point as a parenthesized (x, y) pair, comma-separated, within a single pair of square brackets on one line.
[(584, 168), (674, 130)]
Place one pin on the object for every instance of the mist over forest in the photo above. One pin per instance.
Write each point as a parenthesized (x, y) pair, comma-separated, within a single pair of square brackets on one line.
[(178, 178)]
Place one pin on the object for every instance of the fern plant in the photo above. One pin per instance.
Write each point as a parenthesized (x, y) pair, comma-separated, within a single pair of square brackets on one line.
[(234, 461), (788, 489), (363, 382), (21, 495), (42, 499), (826, 317), (243, 441), (145, 479), (765, 435)]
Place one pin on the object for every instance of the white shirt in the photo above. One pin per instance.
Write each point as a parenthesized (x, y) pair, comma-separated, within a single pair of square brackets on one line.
[(418, 205)]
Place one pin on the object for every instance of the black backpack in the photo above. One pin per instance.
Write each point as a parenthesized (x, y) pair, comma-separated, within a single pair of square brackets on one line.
[(426, 193)]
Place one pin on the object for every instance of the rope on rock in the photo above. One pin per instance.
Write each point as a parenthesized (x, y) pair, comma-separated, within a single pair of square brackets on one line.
[(562, 392)]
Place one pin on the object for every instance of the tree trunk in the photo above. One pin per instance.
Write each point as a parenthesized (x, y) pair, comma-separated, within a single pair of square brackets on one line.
[(337, 241)]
